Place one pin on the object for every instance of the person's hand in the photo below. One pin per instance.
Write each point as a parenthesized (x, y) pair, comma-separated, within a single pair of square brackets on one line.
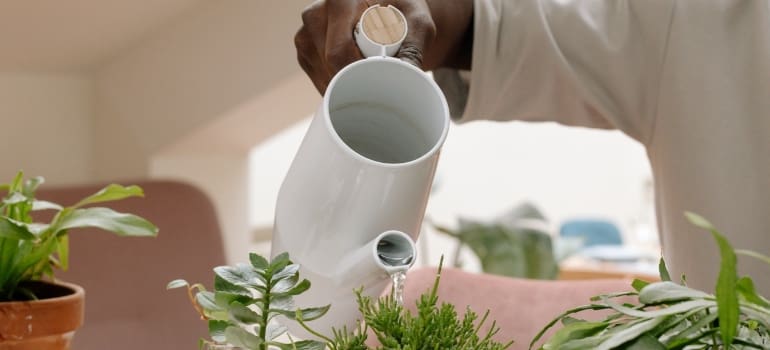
[(440, 34)]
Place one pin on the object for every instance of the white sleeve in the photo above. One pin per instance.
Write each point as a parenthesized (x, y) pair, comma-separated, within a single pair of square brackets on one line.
[(593, 63)]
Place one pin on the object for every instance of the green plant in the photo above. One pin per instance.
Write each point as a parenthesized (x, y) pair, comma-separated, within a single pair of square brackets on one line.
[(433, 327), (29, 250), (674, 316), (247, 297), (508, 246)]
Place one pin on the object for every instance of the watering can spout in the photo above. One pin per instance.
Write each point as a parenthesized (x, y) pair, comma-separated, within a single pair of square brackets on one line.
[(390, 252)]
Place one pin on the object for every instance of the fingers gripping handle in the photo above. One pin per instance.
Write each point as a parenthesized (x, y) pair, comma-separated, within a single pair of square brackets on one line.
[(380, 31)]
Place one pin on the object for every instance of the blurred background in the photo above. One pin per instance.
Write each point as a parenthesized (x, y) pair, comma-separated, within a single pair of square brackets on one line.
[(209, 93)]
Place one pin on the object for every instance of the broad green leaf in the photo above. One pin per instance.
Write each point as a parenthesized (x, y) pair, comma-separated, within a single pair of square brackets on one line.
[(312, 313), (45, 205), (663, 270), (108, 220), (226, 298), (240, 337), (179, 283), (699, 221), (243, 314), (279, 262), (221, 285), (112, 192), (747, 290), (14, 230), (575, 330), (297, 289), (15, 198), (282, 303), (240, 275), (286, 272), (258, 261), (207, 302), (284, 285), (638, 284), (274, 330), (634, 331), (217, 330), (662, 292)]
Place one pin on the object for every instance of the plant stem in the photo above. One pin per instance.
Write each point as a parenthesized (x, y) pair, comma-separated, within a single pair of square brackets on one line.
[(265, 312)]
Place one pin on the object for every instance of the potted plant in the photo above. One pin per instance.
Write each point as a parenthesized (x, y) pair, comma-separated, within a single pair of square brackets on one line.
[(673, 316), (240, 313), (36, 313)]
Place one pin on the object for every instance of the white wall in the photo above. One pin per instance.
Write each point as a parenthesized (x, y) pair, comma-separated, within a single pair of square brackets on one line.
[(46, 124)]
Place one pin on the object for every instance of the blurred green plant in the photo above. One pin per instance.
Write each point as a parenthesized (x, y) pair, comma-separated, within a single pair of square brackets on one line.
[(674, 316), (30, 250), (513, 245)]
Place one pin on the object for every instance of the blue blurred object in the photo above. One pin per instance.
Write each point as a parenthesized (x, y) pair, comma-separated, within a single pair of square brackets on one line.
[(593, 231)]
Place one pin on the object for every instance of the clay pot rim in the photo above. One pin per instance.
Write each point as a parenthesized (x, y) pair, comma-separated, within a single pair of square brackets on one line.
[(76, 292)]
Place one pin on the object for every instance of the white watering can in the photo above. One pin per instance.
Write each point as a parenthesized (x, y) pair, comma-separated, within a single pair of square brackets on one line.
[(354, 198)]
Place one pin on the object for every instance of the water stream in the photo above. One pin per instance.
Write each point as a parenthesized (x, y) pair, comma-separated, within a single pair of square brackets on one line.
[(399, 281)]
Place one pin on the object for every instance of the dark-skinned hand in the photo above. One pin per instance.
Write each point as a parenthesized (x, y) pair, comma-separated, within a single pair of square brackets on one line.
[(440, 35)]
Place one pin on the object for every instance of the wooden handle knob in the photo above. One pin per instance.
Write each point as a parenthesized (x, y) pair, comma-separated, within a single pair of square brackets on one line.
[(383, 25)]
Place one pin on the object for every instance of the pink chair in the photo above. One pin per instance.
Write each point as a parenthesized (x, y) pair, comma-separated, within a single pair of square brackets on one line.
[(521, 307), (127, 305)]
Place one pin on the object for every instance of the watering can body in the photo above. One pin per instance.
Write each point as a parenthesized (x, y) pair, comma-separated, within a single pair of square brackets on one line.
[(359, 183)]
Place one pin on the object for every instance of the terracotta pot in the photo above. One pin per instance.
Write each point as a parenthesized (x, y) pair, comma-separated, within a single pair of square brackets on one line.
[(45, 324)]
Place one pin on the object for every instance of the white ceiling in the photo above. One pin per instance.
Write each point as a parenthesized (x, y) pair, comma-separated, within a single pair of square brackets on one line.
[(72, 35)]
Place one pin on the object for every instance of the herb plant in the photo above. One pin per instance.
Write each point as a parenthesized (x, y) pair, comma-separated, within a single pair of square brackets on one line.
[(29, 250), (433, 327), (246, 298), (674, 316)]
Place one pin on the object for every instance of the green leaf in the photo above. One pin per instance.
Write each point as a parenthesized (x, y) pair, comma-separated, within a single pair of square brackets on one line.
[(310, 345), (646, 342), (14, 230), (279, 262), (274, 330), (663, 270), (63, 251), (671, 310), (243, 314), (45, 205), (312, 313), (285, 272), (258, 261), (226, 298), (112, 192), (31, 185), (563, 315), (15, 198), (634, 331), (108, 220), (207, 301), (179, 283), (727, 297), (221, 285), (240, 337), (240, 275), (662, 292), (754, 255), (638, 284), (298, 289), (574, 330), (747, 290), (217, 330)]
